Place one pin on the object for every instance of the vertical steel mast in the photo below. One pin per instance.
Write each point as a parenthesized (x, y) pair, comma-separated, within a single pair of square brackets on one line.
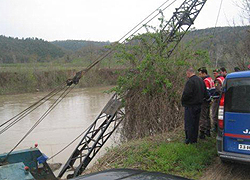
[(112, 114)]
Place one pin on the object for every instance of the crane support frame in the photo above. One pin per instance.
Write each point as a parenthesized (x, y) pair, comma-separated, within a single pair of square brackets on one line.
[(95, 137), (179, 24)]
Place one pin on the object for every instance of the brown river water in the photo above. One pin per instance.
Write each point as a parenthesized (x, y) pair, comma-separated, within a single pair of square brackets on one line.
[(69, 119)]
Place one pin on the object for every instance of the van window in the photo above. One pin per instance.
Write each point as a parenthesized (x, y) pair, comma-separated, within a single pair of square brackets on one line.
[(237, 97)]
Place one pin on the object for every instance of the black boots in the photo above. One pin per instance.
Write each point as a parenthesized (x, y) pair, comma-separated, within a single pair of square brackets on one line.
[(204, 134), (207, 133)]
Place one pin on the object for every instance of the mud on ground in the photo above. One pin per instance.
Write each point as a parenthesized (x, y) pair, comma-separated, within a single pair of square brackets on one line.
[(227, 171)]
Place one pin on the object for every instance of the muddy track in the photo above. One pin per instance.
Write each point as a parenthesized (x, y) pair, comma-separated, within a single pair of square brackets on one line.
[(227, 171)]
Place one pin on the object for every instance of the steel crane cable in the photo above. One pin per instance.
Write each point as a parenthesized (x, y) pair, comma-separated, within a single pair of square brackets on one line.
[(27, 109), (21, 114), (109, 52), (69, 143), (56, 102), (48, 96), (83, 72), (30, 109), (90, 126), (147, 18)]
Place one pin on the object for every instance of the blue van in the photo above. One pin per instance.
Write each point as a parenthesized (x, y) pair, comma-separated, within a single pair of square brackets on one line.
[(233, 138)]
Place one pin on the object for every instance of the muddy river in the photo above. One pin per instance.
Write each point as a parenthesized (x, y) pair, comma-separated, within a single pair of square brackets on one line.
[(71, 117)]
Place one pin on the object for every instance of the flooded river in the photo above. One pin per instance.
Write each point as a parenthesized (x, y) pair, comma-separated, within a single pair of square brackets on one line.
[(71, 117)]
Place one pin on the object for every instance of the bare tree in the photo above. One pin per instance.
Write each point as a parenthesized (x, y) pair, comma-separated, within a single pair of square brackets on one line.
[(245, 46), (239, 56), (246, 9)]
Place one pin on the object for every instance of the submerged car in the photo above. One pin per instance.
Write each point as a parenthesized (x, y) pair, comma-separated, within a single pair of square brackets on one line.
[(233, 138)]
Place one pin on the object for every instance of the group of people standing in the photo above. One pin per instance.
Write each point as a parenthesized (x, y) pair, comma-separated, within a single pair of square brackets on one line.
[(198, 95)]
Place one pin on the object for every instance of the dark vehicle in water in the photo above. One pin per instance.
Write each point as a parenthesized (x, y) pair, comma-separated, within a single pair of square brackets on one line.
[(233, 138)]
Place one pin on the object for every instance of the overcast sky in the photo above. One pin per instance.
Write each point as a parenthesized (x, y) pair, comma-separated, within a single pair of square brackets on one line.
[(99, 20)]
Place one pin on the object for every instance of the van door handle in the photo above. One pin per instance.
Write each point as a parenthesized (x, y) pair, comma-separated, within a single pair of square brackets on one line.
[(232, 120)]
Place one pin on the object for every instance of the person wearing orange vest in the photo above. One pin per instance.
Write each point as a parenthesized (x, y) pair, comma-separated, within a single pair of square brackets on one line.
[(205, 121), (218, 82)]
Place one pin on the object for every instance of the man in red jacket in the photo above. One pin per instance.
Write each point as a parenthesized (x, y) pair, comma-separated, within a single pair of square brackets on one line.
[(205, 121), (218, 82)]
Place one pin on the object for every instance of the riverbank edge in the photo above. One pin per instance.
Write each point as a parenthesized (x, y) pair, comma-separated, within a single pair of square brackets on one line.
[(19, 82), (164, 153)]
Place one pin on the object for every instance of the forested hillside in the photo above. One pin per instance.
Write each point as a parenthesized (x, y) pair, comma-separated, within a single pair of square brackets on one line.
[(75, 45), (226, 46), (14, 50), (218, 36), (81, 51)]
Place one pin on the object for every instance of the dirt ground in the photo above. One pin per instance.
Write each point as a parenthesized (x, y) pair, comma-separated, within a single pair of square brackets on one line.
[(227, 171)]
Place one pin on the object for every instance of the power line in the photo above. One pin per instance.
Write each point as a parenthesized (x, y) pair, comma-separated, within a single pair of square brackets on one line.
[(218, 13), (216, 22)]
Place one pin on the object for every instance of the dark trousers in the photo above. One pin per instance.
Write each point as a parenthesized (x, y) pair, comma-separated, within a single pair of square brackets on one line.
[(192, 116), (205, 121), (215, 108)]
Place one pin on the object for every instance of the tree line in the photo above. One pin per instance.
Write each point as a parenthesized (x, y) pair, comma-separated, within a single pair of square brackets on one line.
[(226, 45), (14, 50)]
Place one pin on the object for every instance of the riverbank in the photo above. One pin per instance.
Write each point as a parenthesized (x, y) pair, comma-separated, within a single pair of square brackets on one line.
[(28, 80), (163, 153)]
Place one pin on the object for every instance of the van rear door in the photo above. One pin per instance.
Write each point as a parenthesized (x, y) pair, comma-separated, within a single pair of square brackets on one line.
[(237, 116)]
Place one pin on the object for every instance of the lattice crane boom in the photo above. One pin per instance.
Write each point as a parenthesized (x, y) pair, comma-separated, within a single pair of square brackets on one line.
[(181, 21), (112, 114), (95, 137)]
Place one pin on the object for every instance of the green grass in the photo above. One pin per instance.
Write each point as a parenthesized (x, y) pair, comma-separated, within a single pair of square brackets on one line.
[(76, 64), (186, 160), (27, 78), (45, 67), (159, 154)]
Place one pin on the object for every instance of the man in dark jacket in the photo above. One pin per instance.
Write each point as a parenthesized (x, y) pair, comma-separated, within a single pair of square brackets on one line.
[(192, 99)]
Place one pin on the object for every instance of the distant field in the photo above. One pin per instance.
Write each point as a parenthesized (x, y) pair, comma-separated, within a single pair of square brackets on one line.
[(32, 77), (76, 64), (37, 66)]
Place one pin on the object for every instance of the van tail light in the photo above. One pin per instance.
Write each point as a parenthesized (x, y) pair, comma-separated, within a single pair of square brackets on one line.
[(221, 112)]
